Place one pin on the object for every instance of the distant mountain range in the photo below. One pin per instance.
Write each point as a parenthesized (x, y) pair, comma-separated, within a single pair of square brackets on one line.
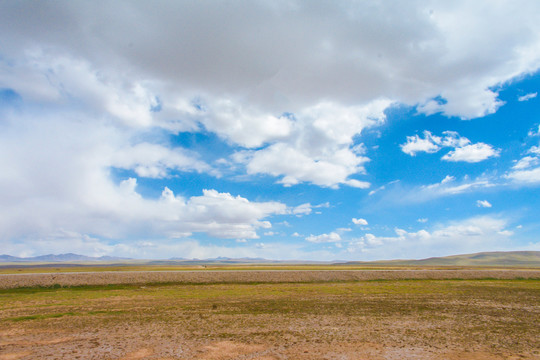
[(499, 258), (58, 258), (496, 258)]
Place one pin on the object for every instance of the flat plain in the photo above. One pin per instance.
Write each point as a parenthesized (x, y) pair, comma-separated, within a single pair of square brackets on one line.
[(277, 313)]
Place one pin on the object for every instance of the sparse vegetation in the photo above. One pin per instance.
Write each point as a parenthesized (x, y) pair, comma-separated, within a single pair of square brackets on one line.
[(376, 319)]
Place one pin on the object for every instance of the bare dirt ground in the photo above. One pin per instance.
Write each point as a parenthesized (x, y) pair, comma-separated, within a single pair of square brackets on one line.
[(353, 319)]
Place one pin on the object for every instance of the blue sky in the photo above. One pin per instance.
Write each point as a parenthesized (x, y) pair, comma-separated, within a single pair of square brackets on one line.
[(282, 130)]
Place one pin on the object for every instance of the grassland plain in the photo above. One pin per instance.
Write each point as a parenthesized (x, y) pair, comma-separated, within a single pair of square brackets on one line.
[(251, 274), (382, 317)]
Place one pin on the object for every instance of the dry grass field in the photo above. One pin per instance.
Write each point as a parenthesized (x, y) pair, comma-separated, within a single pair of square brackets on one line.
[(411, 314)]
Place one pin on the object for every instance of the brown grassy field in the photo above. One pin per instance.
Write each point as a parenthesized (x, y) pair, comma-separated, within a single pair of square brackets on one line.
[(422, 314), (231, 275)]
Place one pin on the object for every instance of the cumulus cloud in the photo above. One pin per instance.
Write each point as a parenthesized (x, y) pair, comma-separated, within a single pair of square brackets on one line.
[(63, 181), (328, 48), (293, 100), (483, 203), (475, 234), (526, 170), (321, 148), (359, 221), (472, 153), (243, 86), (529, 176), (415, 144), (324, 238), (463, 149)]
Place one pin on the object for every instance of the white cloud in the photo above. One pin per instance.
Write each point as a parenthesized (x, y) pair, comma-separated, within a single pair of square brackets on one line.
[(415, 144), (419, 55), (359, 221), (304, 209), (380, 188), (65, 242), (483, 203), (534, 132), (95, 95), (526, 171), (324, 238), (526, 162), (246, 127), (453, 139), (330, 80), (448, 186), (60, 175), (422, 220), (320, 148), (527, 97), (471, 235), (463, 149), (155, 161), (328, 170), (472, 153), (531, 176)]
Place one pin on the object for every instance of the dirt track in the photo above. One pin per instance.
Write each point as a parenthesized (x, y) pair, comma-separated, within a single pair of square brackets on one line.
[(265, 276)]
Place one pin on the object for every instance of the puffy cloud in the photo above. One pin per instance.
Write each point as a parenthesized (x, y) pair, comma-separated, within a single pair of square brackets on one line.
[(415, 144), (359, 221), (529, 176), (475, 234), (472, 153), (324, 238), (483, 203), (295, 166), (320, 149), (59, 178), (463, 149), (527, 97), (224, 79), (296, 97), (526, 170), (416, 54), (245, 127)]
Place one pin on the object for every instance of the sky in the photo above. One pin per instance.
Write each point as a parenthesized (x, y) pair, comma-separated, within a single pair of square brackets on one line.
[(309, 130)]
